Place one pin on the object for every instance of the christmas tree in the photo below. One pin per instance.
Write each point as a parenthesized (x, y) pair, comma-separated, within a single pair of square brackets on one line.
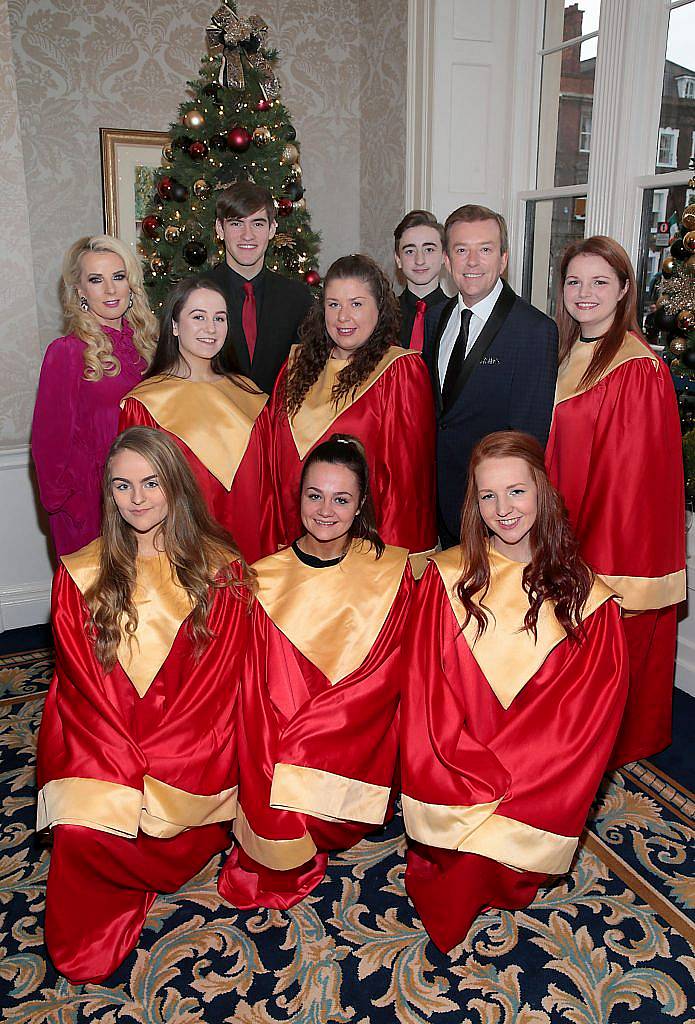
[(234, 129)]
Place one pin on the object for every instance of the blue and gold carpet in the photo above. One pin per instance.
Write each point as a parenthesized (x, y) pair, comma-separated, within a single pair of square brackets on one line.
[(611, 943)]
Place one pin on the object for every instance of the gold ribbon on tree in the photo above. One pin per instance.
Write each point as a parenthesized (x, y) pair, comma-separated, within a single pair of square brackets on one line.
[(229, 31)]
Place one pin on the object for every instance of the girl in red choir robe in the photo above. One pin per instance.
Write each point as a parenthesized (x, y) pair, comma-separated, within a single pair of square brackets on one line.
[(319, 695), (137, 764), (614, 453), (195, 393), (515, 678), (348, 374)]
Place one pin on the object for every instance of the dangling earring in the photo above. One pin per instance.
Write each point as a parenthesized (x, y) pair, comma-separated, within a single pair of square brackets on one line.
[(130, 301), (84, 305)]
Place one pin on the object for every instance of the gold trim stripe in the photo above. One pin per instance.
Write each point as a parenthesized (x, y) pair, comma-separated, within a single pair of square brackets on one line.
[(103, 806), (326, 795), (168, 810), (641, 593), (277, 854), (577, 363), (477, 829)]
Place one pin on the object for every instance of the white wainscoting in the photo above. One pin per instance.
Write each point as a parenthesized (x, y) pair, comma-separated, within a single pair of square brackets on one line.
[(25, 565), (685, 652)]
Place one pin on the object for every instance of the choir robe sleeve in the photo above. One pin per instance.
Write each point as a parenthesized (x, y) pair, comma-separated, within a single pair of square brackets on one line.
[(519, 796), (403, 476), (54, 424), (627, 504), (276, 534)]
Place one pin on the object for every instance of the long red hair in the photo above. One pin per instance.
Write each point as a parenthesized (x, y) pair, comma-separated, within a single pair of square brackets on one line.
[(555, 573), (625, 318)]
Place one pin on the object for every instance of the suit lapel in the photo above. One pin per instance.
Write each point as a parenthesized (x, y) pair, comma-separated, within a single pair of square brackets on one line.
[(434, 367), (500, 312)]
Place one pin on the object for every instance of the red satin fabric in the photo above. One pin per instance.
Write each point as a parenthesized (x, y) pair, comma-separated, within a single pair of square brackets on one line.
[(291, 713), (246, 509), (95, 726), (614, 453), (544, 756), (394, 420)]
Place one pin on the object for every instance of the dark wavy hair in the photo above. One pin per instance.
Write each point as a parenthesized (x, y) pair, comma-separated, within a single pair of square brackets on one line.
[(316, 345), (556, 571), (167, 354), (346, 450), (625, 318)]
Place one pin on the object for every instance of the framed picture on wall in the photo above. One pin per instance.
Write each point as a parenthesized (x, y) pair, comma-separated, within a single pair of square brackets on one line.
[(129, 163)]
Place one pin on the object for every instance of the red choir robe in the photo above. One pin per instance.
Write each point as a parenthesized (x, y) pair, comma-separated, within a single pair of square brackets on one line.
[(137, 767), (392, 413), (503, 743), (224, 432), (614, 453), (319, 709)]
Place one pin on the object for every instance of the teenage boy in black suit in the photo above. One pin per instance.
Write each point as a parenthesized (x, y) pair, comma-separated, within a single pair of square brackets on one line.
[(492, 357), (419, 245), (265, 309)]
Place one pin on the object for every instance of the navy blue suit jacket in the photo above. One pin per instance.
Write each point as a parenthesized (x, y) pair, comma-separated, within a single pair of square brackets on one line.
[(512, 388)]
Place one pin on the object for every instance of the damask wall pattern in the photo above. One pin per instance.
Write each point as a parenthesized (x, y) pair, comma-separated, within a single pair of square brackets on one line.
[(84, 64)]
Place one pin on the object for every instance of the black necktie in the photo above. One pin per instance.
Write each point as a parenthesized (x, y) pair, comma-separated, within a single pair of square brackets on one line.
[(457, 357)]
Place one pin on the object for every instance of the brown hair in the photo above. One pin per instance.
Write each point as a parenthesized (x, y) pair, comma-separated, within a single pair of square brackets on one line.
[(471, 214), (418, 219), (346, 450), (198, 549), (242, 199), (316, 345), (625, 318), (556, 571)]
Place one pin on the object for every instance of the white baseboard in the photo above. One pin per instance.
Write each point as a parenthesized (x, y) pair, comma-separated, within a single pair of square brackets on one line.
[(29, 605), (685, 661)]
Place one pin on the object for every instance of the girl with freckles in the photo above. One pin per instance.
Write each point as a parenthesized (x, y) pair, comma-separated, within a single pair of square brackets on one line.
[(137, 759), (514, 679), (110, 340), (319, 695), (614, 454)]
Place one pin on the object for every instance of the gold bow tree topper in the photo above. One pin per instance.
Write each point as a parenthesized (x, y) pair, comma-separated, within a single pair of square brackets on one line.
[(241, 41)]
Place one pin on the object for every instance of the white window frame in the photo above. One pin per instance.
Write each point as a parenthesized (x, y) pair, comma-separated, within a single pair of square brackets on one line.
[(686, 87), (672, 135), (584, 135), (660, 197)]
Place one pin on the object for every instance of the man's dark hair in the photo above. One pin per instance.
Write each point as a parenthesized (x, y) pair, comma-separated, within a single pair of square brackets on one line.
[(471, 214), (242, 199), (417, 219)]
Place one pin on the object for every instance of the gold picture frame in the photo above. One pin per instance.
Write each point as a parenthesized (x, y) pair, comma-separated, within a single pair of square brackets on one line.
[(129, 163)]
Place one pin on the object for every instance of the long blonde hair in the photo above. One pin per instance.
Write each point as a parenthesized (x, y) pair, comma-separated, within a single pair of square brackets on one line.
[(197, 547), (99, 358)]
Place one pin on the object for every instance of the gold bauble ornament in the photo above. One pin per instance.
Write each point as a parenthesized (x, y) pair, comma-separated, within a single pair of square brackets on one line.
[(678, 345), (294, 172), (168, 152), (201, 188), (688, 219), (172, 233), (667, 266), (689, 241), (686, 320), (193, 119), (157, 265), (261, 136), (290, 154), (690, 265), (300, 204)]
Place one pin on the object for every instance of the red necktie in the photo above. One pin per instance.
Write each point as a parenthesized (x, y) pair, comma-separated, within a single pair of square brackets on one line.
[(417, 335), (248, 317)]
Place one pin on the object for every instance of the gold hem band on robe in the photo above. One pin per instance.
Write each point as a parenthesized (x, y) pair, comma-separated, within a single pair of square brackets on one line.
[(159, 810), (318, 412), (506, 652), (642, 593), (478, 829), (327, 796), (212, 418), (575, 366), (276, 854), (334, 614)]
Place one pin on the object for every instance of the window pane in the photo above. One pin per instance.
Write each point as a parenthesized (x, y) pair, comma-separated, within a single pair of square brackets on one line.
[(567, 19), (677, 118), (567, 95), (551, 224), (661, 210)]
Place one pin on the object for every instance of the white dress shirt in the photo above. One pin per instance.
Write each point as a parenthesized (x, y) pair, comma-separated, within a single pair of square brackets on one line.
[(481, 312)]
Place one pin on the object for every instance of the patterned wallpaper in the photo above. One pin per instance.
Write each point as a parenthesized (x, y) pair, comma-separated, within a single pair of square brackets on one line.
[(85, 64)]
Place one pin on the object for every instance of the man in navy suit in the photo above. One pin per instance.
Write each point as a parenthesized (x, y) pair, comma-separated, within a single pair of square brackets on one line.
[(492, 357), (265, 309)]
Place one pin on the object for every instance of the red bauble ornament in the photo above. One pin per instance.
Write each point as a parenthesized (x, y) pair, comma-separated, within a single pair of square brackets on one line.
[(263, 104), (198, 150), (238, 139), (164, 187), (312, 277), (285, 207), (151, 225)]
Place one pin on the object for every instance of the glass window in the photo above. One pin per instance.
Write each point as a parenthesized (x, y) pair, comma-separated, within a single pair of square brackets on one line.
[(585, 132), (551, 224), (677, 118), (661, 212)]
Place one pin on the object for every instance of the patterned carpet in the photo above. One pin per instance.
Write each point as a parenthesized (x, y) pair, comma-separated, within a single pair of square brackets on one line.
[(612, 943)]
